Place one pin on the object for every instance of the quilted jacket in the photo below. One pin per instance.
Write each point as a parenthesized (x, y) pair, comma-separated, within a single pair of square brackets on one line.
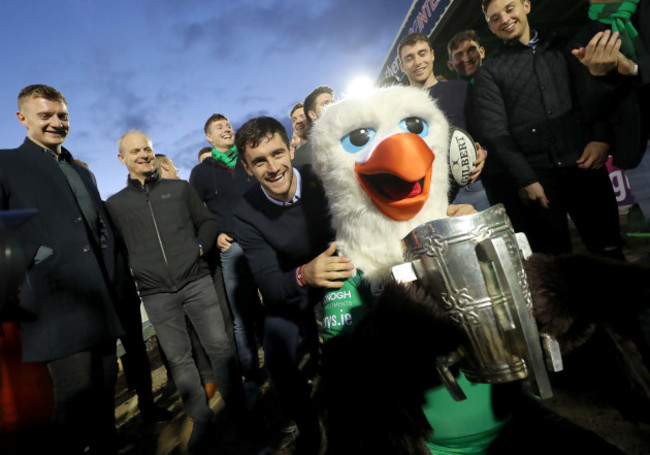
[(524, 110), (164, 225)]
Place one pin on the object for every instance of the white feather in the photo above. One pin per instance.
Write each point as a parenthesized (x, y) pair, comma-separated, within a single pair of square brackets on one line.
[(363, 232)]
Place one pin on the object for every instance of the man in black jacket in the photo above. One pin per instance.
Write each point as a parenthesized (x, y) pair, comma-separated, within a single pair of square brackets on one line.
[(285, 233), (68, 295), (615, 47), (167, 229), (220, 181), (524, 112)]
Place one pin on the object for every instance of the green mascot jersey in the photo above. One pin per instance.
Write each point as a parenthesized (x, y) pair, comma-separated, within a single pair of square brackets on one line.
[(460, 427)]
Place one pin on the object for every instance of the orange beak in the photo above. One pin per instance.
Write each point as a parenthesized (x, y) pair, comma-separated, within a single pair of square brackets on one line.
[(397, 176)]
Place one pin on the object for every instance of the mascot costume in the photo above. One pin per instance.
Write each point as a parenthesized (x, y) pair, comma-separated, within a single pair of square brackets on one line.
[(383, 160)]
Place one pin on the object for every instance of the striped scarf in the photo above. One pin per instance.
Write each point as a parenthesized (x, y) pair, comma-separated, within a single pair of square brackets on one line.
[(618, 16), (229, 157)]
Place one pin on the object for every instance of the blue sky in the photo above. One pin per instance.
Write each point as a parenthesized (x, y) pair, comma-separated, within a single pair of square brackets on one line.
[(165, 66)]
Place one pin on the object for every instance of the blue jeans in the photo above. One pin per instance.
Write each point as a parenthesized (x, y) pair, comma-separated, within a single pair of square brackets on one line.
[(197, 300), (245, 307)]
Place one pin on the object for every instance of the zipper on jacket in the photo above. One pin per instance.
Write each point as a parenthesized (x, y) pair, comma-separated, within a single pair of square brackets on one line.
[(155, 226)]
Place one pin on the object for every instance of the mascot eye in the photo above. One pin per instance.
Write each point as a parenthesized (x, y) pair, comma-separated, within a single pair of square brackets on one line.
[(357, 139), (415, 125)]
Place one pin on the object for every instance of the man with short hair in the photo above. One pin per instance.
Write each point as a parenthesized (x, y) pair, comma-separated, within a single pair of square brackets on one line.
[(314, 102), (220, 181), (204, 153), (300, 126), (465, 54), (285, 233), (299, 122), (166, 167), (69, 293), (416, 61), (312, 106), (524, 112), (167, 230)]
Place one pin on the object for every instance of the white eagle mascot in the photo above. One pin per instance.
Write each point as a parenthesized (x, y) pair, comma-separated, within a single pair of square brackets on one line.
[(383, 162)]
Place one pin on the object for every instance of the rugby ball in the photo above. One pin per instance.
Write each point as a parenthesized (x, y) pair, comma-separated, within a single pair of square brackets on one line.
[(462, 154)]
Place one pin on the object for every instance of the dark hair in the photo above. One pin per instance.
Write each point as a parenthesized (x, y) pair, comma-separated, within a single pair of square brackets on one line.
[(310, 100), (459, 38), (213, 118), (40, 91), (410, 40), (294, 108), (203, 151), (255, 130), (486, 3)]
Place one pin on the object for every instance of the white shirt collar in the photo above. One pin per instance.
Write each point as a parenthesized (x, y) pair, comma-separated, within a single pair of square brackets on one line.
[(296, 197)]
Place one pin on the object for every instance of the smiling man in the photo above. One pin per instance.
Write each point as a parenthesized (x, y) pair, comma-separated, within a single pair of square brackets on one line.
[(301, 126), (167, 230), (544, 163), (220, 180), (465, 54), (284, 229), (68, 294)]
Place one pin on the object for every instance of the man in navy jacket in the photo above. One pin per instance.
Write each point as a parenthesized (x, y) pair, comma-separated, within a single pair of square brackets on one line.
[(284, 230), (69, 289)]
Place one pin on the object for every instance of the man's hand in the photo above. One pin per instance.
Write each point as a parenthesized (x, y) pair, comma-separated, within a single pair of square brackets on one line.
[(460, 210), (327, 270), (478, 164), (625, 66), (594, 155), (601, 54), (224, 241), (534, 193)]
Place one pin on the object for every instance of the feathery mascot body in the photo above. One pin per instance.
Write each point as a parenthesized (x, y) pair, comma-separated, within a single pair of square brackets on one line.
[(383, 163)]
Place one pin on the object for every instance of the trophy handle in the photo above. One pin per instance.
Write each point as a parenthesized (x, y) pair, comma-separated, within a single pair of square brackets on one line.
[(508, 274), (552, 352)]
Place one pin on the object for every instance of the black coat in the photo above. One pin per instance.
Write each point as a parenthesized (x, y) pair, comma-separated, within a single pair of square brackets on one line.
[(163, 222), (70, 292), (525, 111), (622, 102), (221, 189)]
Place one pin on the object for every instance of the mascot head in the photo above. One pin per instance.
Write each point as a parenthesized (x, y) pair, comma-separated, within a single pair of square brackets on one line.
[(383, 162)]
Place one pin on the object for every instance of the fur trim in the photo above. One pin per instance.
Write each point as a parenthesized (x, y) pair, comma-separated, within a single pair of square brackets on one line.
[(365, 234)]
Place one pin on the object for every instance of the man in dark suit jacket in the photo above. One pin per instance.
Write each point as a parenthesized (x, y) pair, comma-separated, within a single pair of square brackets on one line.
[(69, 291), (285, 233)]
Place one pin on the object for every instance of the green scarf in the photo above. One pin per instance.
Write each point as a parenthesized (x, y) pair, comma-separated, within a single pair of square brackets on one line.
[(229, 157), (618, 16)]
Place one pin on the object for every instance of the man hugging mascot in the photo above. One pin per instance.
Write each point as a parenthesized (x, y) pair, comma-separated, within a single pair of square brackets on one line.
[(383, 162)]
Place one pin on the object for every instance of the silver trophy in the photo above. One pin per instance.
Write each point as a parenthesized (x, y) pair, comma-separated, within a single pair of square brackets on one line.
[(473, 265)]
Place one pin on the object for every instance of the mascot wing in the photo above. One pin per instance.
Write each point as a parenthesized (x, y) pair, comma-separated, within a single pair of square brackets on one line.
[(382, 159)]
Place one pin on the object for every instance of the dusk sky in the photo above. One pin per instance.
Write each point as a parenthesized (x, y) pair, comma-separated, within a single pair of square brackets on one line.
[(165, 66)]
